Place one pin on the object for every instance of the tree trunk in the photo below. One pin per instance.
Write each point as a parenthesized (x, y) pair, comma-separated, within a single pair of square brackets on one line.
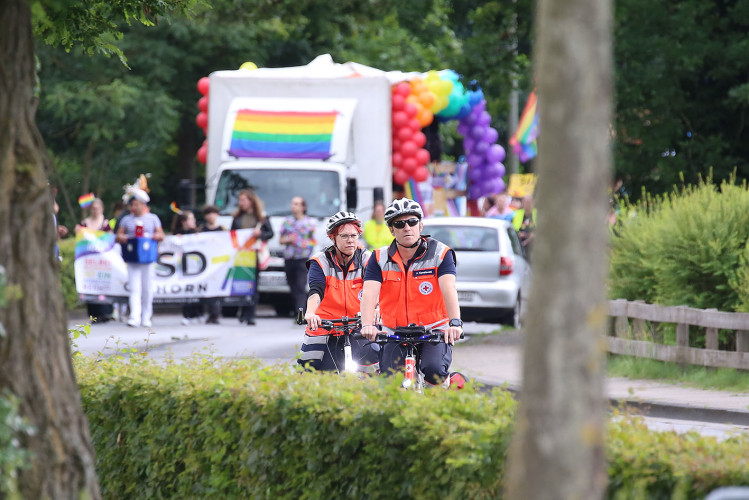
[(558, 450), (35, 360)]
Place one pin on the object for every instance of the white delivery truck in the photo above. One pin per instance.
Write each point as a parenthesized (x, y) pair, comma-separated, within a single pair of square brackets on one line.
[(321, 131)]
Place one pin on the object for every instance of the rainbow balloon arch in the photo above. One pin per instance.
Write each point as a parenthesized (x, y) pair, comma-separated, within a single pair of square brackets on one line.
[(441, 95), (416, 102)]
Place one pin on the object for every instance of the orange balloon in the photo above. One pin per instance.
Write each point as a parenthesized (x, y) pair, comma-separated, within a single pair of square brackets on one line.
[(426, 98), (425, 117)]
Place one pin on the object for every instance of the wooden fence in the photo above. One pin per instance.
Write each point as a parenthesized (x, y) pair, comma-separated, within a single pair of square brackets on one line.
[(639, 337)]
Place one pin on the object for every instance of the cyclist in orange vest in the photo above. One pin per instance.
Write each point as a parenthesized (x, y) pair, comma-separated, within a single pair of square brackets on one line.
[(414, 281), (335, 278)]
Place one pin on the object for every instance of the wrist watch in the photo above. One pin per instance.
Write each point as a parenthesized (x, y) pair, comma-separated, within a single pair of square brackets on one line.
[(456, 322)]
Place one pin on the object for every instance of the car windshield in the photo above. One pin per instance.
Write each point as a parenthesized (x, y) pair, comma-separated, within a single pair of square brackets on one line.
[(276, 187), (477, 239)]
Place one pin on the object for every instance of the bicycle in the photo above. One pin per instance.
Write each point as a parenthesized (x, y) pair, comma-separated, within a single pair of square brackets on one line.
[(346, 325), (410, 337)]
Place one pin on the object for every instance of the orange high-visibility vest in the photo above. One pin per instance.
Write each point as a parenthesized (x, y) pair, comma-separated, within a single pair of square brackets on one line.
[(413, 297), (342, 293)]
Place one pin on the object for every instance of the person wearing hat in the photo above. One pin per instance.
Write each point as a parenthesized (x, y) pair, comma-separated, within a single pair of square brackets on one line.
[(335, 278), (139, 233), (413, 280)]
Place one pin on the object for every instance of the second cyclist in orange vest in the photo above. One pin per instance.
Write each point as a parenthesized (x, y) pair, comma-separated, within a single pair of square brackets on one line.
[(336, 278), (414, 281)]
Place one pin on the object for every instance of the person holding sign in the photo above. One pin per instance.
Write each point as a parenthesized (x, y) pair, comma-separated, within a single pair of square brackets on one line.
[(139, 233)]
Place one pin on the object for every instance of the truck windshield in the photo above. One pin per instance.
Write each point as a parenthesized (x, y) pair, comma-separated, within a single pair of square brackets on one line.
[(319, 188)]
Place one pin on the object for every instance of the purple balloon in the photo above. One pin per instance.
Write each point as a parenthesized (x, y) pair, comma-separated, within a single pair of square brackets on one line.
[(484, 119), (478, 108), (469, 119), (495, 153), (474, 192), (477, 132), (500, 186), (463, 128), (475, 160), (476, 175), (490, 134), (468, 144), (481, 148), (501, 170)]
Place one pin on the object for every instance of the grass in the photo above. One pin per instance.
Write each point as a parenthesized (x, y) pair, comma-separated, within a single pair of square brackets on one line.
[(700, 377)]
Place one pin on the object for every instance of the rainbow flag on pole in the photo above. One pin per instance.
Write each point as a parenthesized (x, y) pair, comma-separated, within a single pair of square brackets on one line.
[(282, 134), (523, 141), (86, 200)]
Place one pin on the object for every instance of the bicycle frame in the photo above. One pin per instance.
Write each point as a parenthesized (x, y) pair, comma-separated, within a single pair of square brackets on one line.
[(347, 325)]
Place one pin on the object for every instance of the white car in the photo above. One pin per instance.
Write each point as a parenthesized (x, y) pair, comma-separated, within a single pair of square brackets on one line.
[(493, 273)]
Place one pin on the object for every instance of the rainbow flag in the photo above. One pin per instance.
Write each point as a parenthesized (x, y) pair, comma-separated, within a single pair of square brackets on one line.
[(86, 200), (282, 134), (523, 141), (412, 191), (89, 242)]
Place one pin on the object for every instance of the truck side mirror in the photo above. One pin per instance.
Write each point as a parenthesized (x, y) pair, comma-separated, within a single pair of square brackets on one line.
[(352, 195)]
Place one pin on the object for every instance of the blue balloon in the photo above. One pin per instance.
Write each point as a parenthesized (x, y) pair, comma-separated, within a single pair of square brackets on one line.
[(464, 111)]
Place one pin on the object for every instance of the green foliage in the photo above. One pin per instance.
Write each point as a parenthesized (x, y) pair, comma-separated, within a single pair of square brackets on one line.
[(681, 91), (13, 457), (67, 273), (701, 377), (236, 429), (686, 248)]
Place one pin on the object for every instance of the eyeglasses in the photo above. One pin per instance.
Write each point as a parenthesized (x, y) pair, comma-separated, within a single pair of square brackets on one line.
[(348, 236), (400, 224)]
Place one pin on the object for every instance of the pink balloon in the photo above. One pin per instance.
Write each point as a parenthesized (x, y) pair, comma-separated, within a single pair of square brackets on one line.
[(411, 110), (403, 89), (421, 174), (201, 120), (203, 104), (408, 149), (202, 154), (400, 176), (405, 134), (414, 124), (398, 102), (397, 159), (419, 139), (410, 165), (422, 156), (203, 85), (400, 119)]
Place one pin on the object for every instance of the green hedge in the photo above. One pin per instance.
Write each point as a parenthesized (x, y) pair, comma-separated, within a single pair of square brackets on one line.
[(687, 248), (209, 429)]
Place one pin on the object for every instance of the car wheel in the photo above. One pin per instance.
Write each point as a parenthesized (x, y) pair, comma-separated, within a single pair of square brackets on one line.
[(513, 316)]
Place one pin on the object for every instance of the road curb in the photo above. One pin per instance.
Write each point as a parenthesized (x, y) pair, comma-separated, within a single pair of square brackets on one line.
[(649, 408)]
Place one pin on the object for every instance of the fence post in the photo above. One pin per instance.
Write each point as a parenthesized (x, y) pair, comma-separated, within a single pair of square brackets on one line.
[(711, 336), (742, 341), (682, 335), (621, 327)]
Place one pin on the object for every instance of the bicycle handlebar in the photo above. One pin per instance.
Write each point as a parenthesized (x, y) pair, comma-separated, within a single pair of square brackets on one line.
[(410, 333), (349, 323)]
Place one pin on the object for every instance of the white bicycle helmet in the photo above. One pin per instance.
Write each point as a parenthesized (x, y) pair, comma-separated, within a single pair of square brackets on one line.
[(404, 206), (342, 218)]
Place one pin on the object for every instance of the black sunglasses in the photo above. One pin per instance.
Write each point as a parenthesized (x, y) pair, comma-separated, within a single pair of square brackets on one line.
[(400, 224)]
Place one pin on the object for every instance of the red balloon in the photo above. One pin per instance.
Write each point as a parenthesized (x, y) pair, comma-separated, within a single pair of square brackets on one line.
[(405, 134), (408, 149), (414, 124), (397, 159), (202, 154), (203, 85), (403, 89), (411, 110), (397, 143), (422, 157), (400, 176), (201, 120), (399, 102), (410, 165), (400, 119), (419, 139), (421, 174), (203, 104)]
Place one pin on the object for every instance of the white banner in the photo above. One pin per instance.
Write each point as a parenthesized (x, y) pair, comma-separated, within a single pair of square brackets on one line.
[(189, 267)]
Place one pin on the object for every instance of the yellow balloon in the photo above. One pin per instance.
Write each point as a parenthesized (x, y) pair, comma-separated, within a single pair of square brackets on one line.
[(248, 65)]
